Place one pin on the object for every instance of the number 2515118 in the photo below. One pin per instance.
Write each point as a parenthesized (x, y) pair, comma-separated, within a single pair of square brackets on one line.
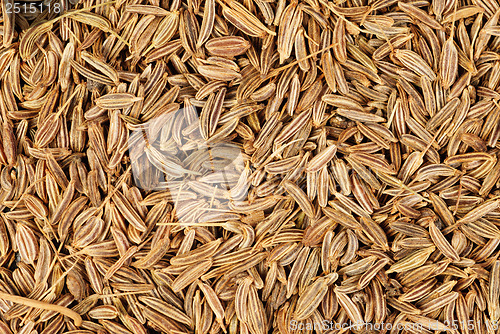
[(31, 8)]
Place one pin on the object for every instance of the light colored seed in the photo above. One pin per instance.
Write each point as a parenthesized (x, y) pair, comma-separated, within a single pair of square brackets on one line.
[(117, 100), (300, 197), (414, 260), (27, 243), (441, 243), (439, 302), (480, 211), (350, 308), (321, 159), (312, 296), (414, 62), (190, 275)]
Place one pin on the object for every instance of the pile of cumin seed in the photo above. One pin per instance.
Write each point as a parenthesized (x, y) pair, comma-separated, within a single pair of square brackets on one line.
[(252, 167)]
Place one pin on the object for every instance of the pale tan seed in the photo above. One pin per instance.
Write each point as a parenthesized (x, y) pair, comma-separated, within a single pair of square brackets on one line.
[(117, 100), (441, 243), (312, 296)]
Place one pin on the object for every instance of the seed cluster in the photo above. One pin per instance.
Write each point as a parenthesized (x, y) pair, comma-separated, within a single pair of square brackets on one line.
[(225, 166)]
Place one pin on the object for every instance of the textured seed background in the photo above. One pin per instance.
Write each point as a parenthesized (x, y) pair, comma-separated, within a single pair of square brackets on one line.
[(238, 166)]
